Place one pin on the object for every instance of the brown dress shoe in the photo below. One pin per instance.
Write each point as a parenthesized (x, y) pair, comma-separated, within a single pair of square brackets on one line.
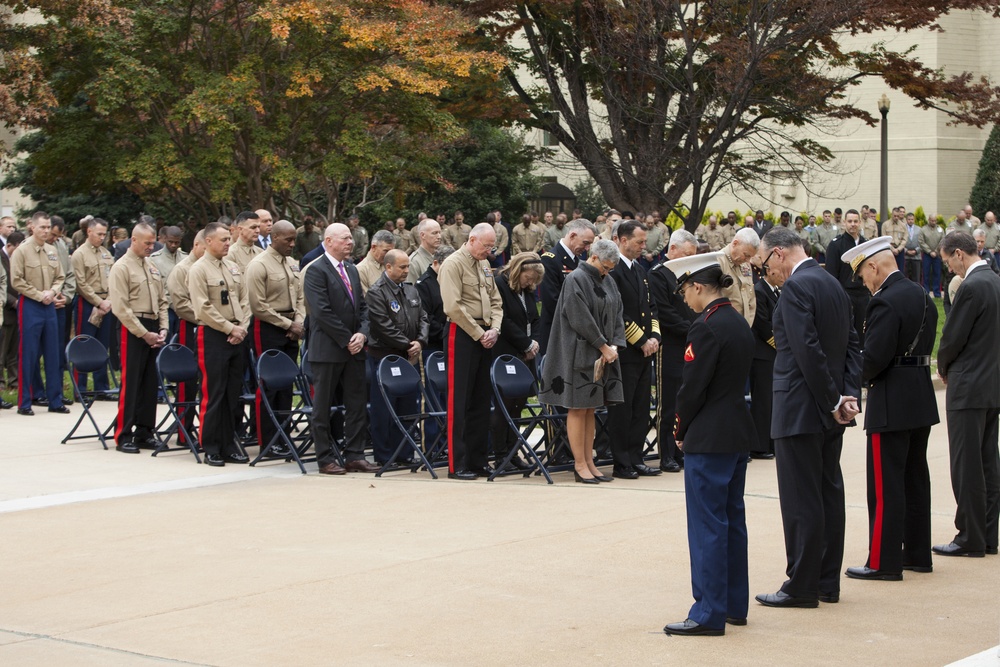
[(361, 465), (331, 469)]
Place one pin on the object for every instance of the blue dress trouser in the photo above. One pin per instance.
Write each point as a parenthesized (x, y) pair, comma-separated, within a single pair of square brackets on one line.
[(717, 536), (932, 274), (39, 340)]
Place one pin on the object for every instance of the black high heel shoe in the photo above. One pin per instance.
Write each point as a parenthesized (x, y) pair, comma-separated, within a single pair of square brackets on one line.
[(604, 478), (584, 480)]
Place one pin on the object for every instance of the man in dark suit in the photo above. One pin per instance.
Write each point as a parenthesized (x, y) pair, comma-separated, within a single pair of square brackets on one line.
[(762, 368), (901, 325), (629, 420), (9, 334), (817, 372), (760, 224), (971, 370), (675, 318), (558, 263), (338, 331), (841, 270)]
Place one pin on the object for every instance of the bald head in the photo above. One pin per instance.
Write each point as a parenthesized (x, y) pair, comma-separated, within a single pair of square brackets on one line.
[(264, 216), (282, 227), (393, 257), (337, 241)]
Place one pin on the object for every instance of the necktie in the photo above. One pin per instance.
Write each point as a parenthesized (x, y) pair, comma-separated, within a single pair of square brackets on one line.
[(343, 275)]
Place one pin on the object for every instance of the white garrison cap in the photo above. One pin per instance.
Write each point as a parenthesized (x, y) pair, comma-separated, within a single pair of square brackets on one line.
[(685, 267), (859, 253)]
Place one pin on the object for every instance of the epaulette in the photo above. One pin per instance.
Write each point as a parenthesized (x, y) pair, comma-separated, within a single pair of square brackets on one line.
[(548, 253)]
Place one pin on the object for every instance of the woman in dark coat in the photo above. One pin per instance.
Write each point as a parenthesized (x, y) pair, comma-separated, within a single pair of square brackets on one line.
[(715, 432), (517, 283), (586, 326)]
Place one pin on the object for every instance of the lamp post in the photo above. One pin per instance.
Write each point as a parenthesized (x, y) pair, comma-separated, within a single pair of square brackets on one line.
[(883, 107)]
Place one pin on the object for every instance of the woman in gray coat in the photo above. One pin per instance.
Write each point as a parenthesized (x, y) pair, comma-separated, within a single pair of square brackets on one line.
[(587, 326)]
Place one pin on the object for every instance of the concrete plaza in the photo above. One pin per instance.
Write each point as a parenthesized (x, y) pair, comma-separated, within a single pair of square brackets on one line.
[(111, 559)]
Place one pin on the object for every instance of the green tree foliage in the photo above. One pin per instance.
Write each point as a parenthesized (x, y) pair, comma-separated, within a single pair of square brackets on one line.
[(985, 195), (589, 198)]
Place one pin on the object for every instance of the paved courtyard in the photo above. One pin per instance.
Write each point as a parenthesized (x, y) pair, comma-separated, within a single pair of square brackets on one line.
[(111, 559)]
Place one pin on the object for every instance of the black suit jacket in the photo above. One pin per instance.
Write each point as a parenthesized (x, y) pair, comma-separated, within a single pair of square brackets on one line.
[(965, 356), (674, 315), (899, 397), (762, 327), (763, 228), (638, 310), (514, 338), (558, 264), (712, 413), (838, 269), (10, 299), (333, 318), (817, 358), (430, 298)]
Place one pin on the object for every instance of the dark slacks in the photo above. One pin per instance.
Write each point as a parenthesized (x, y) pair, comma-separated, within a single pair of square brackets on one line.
[(327, 378), (859, 303), (9, 342), (187, 335), (975, 476), (137, 395), (911, 269), (39, 340), (761, 398), (899, 500), (717, 536), (629, 421), (63, 316), (669, 374), (469, 398), (222, 368), (102, 334), (811, 494), (269, 337), (932, 274), (386, 436)]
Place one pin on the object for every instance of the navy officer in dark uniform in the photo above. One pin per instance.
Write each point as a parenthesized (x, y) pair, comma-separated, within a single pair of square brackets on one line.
[(714, 429), (841, 270), (558, 263), (901, 325), (762, 369)]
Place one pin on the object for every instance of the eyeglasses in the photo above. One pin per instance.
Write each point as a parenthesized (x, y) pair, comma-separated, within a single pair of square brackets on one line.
[(763, 264)]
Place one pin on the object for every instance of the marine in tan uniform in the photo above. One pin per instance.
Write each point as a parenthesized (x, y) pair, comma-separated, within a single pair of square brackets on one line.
[(187, 323), (429, 233), (735, 261), (496, 255), (404, 237), (456, 234), (64, 311), (278, 306), (370, 268), (712, 234), (139, 302), (92, 264), (527, 236), (219, 298), (242, 250), (475, 311), (37, 275)]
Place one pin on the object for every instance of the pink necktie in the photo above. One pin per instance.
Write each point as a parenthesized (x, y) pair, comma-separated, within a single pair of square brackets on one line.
[(343, 275)]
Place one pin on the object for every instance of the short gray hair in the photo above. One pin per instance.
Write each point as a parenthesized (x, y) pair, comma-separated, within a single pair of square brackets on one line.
[(977, 233), (782, 237), (682, 237), (383, 236), (748, 236), (580, 224), (605, 250), (443, 252)]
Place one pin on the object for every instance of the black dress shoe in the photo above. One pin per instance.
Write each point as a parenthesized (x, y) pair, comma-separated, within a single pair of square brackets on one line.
[(952, 549), (624, 473), (27, 412), (62, 410), (521, 464), (865, 572), (5, 405), (214, 460), (279, 450), (484, 471), (670, 465), (919, 568), (732, 620), (147, 443), (645, 471), (584, 480), (992, 551), (67, 401), (128, 448), (783, 599), (466, 475), (40, 402), (237, 457), (767, 456), (690, 628), (829, 598)]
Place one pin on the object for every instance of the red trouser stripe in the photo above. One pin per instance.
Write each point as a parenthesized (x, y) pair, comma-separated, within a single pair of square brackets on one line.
[(875, 557), (257, 400), (22, 377), (452, 330), (123, 354), (182, 386), (204, 386)]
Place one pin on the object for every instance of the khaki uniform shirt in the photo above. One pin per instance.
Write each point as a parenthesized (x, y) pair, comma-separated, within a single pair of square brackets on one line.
[(500, 246), (825, 234), (177, 289), (741, 294), (404, 240), (715, 238), (992, 235), (207, 280), (69, 284), (274, 289), (369, 271), (898, 232), (361, 245), (657, 238), (869, 228), (92, 266), (35, 269), (241, 253), (137, 290), (419, 261), (930, 237), (728, 233), (953, 226), (165, 262), (527, 239), (469, 293), (455, 235)]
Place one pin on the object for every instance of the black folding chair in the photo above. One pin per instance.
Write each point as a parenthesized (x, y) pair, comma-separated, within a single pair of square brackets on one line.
[(277, 372), (398, 378), (175, 366), (512, 379), (86, 354), (436, 386)]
